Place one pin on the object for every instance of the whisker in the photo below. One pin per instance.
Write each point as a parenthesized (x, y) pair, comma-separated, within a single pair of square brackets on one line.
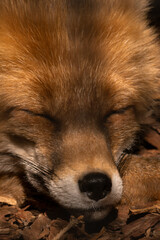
[(38, 168), (29, 162)]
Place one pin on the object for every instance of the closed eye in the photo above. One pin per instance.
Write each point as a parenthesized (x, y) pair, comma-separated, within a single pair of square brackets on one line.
[(118, 111), (44, 115)]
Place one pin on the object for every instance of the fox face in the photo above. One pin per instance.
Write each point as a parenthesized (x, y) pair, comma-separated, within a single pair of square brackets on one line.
[(77, 79)]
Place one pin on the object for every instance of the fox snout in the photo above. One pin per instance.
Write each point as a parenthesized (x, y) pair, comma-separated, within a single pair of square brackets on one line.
[(88, 180)]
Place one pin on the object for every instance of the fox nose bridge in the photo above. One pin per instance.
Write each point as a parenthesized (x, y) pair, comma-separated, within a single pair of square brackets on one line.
[(87, 149)]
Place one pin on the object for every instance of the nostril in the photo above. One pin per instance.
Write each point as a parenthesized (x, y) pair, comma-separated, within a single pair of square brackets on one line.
[(96, 185)]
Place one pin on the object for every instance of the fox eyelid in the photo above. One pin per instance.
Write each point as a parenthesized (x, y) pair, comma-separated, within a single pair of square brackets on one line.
[(53, 120), (118, 111), (46, 116)]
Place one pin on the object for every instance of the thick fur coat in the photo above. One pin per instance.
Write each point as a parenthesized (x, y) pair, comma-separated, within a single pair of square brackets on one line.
[(77, 82)]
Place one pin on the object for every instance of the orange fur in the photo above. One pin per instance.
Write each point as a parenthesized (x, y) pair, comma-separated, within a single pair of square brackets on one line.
[(77, 80)]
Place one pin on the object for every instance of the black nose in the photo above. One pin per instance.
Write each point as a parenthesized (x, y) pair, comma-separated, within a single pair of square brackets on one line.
[(96, 185)]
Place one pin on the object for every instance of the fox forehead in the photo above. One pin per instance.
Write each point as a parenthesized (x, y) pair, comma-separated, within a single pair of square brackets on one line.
[(70, 52)]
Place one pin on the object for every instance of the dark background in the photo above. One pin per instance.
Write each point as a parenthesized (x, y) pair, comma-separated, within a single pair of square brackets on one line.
[(154, 15)]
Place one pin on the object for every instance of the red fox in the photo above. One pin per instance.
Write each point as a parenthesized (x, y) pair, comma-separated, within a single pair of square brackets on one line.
[(77, 81)]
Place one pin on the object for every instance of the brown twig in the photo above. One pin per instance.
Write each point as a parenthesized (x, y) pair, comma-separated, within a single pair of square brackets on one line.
[(151, 209), (73, 222)]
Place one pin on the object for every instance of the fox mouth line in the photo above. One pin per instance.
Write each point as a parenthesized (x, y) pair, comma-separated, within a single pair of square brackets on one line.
[(92, 214), (90, 210)]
